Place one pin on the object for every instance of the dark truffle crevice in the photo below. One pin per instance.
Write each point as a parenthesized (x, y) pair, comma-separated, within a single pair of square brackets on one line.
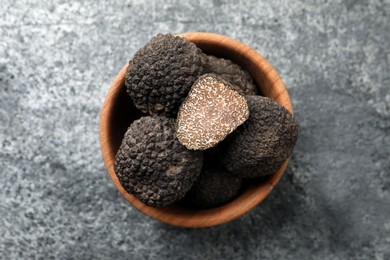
[(214, 187)]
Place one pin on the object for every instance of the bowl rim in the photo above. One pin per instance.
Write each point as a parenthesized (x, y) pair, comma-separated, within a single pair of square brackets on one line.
[(253, 195)]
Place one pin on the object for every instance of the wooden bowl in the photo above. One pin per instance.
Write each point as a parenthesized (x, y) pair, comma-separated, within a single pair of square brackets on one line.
[(118, 113)]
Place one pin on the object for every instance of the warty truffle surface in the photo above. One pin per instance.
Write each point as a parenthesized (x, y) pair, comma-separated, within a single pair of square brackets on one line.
[(240, 79), (161, 73), (263, 143), (152, 165), (215, 186)]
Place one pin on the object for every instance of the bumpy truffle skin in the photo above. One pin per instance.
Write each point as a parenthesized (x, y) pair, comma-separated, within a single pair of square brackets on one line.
[(262, 144), (152, 165), (211, 111), (161, 74), (231, 72), (215, 186)]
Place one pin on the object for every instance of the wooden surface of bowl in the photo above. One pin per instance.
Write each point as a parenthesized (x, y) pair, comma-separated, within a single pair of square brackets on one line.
[(118, 113)]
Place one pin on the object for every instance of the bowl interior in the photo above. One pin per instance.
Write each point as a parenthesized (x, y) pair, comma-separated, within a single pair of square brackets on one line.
[(119, 112)]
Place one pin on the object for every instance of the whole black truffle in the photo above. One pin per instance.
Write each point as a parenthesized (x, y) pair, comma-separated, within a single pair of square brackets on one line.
[(215, 186), (152, 165), (262, 144), (161, 74), (231, 72)]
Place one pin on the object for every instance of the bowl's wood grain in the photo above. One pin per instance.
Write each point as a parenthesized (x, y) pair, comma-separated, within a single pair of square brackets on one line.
[(118, 112)]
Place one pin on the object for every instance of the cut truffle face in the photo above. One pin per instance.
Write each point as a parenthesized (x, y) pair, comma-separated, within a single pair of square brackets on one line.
[(263, 143), (240, 79), (215, 186), (161, 74), (152, 165), (211, 111)]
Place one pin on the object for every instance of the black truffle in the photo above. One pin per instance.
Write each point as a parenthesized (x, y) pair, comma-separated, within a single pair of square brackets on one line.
[(231, 72), (262, 144), (211, 111), (152, 165), (215, 186), (161, 74)]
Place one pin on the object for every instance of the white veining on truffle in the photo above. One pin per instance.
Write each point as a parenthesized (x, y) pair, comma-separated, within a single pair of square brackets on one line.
[(211, 111)]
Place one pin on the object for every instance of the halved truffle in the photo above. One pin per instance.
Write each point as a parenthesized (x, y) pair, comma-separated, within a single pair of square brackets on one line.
[(152, 165), (161, 74), (215, 186), (211, 111), (263, 143)]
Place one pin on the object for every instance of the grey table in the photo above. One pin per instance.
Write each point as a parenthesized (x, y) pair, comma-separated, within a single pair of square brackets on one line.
[(57, 60)]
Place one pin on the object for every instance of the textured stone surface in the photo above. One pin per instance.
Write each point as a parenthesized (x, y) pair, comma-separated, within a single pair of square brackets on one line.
[(57, 60)]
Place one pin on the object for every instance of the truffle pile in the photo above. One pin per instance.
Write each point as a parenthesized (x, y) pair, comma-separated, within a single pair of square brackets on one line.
[(203, 130)]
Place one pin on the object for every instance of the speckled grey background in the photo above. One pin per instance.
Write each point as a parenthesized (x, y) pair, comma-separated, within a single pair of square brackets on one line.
[(57, 60)]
